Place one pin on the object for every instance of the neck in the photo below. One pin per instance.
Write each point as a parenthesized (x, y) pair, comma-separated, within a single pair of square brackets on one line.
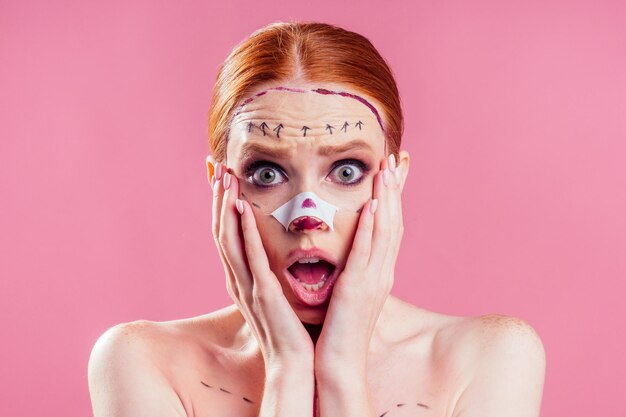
[(314, 330)]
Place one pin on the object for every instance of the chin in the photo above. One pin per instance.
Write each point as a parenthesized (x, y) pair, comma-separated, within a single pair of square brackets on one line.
[(310, 315)]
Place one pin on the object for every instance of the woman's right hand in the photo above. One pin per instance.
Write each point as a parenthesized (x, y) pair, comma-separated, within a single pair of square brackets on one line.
[(283, 340)]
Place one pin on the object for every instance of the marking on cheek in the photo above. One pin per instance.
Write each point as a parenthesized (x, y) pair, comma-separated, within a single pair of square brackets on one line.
[(226, 391), (383, 414), (329, 128), (256, 205), (206, 385), (308, 203), (250, 126), (400, 405), (248, 401), (359, 124), (359, 210), (345, 127), (422, 405), (277, 129), (305, 128), (263, 127)]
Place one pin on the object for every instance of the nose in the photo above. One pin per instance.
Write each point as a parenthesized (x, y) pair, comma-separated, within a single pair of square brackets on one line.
[(305, 212), (307, 223)]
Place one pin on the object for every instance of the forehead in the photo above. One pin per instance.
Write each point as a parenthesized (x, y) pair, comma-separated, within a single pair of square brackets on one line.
[(305, 118)]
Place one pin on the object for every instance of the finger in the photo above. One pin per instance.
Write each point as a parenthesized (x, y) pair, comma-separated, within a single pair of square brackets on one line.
[(229, 234), (362, 243), (217, 199), (381, 233), (395, 222), (255, 251), (218, 194)]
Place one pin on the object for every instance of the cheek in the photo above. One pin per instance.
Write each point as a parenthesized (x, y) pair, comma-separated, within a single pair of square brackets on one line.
[(346, 223), (271, 231)]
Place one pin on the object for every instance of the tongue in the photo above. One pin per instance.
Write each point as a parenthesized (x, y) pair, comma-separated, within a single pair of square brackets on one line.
[(311, 273)]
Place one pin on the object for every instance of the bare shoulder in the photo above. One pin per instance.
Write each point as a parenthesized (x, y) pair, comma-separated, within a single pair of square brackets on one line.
[(124, 378), (503, 358), (491, 365), (134, 367), (493, 333)]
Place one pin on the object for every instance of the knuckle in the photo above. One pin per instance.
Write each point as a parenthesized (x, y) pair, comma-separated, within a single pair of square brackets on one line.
[(222, 239), (233, 291)]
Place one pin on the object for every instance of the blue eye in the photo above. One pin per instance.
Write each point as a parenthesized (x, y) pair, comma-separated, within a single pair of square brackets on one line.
[(349, 172)]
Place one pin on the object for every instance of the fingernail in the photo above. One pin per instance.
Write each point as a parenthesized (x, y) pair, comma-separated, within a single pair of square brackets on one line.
[(385, 177), (392, 163), (373, 206), (218, 171), (212, 182), (239, 206), (226, 180)]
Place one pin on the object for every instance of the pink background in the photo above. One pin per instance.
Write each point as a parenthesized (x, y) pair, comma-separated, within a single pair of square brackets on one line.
[(515, 120)]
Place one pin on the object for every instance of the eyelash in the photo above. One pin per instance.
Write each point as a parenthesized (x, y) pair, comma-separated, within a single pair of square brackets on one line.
[(251, 168)]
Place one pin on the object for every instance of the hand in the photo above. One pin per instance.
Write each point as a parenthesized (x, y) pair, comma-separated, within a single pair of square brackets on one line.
[(251, 284), (362, 287)]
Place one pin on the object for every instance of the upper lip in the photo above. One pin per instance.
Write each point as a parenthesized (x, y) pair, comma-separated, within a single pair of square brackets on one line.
[(299, 253)]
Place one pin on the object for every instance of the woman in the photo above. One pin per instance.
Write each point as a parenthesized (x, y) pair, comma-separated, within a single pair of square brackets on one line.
[(307, 175)]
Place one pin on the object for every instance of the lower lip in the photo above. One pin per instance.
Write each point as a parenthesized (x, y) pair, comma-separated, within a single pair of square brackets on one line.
[(312, 298)]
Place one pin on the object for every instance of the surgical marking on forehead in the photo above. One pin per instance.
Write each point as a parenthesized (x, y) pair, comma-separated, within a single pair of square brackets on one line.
[(277, 129), (318, 91), (263, 126)]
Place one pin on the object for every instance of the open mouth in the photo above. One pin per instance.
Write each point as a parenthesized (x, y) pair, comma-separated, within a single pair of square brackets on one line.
[(312, 273), (311, 279)]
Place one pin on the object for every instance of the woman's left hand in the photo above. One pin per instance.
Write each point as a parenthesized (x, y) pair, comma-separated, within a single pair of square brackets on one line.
[(362, 287)]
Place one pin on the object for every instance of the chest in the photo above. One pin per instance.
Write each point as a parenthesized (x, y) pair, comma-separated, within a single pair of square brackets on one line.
[(398, 386)]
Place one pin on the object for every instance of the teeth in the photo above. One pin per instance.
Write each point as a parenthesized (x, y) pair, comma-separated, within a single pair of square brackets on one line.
[(313, 287), (308, 260)]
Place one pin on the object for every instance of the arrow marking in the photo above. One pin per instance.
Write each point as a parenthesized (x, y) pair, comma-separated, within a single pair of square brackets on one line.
[(263, 127), (277, 129)]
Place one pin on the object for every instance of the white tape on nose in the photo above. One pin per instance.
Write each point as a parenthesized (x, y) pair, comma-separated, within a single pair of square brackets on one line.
[(305, 204)]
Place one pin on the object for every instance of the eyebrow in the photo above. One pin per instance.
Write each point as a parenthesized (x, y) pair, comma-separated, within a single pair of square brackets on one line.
[(277, 152), (353, 145)]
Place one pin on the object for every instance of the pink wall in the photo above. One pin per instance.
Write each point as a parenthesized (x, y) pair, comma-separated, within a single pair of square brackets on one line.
[(515, 119)]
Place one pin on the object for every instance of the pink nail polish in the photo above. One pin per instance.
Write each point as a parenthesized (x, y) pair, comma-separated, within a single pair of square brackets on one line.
[(239, 206), (392, 163), (226, 180), (218, 171), (373, 206), (386, 177)]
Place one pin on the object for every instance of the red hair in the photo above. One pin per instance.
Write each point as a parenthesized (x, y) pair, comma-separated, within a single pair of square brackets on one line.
[(315, 52)]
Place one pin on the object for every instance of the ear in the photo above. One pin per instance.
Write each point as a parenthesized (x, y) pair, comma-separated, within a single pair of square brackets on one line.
[(210, 166), (403, 164)]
